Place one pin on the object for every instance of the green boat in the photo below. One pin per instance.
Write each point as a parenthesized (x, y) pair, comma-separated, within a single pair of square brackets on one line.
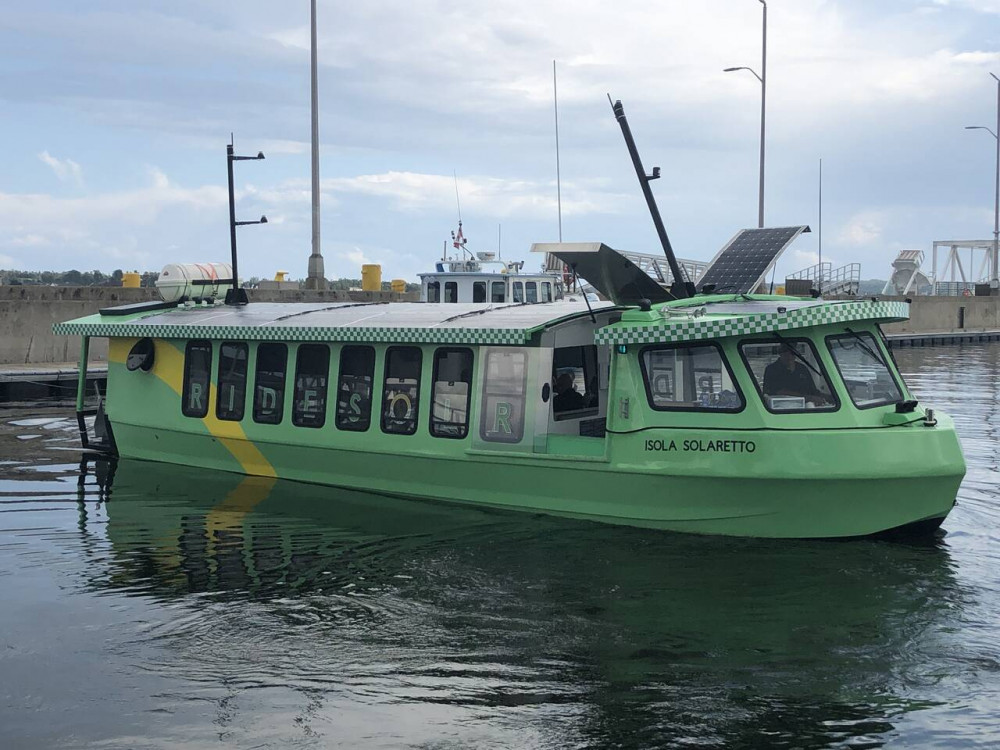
[(667, 407), (667, 417)]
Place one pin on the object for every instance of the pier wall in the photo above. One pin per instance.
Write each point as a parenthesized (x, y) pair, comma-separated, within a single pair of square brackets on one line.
[(27, 314), (949, 314)]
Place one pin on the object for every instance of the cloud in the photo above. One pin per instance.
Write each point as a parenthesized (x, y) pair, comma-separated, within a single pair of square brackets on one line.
[(66, 170), (862, 229)]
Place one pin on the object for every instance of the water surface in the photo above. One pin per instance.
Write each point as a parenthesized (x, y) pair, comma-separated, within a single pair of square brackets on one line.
[(154, 606)]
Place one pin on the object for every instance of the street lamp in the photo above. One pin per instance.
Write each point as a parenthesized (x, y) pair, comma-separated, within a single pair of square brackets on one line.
[(763, 100), (994, 280), (237, 295)]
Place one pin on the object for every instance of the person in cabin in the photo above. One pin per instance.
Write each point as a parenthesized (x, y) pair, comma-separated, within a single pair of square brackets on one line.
[(567, 398), (788, 376)]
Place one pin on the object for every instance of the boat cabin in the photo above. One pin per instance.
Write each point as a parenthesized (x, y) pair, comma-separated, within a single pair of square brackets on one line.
[(482, 279)]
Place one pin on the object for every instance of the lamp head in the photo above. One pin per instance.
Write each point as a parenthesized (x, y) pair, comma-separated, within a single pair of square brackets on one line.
[(260, 154), (263, 220)]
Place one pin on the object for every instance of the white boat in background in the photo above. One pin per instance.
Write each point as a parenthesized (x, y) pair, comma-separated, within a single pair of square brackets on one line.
[(482, 277)]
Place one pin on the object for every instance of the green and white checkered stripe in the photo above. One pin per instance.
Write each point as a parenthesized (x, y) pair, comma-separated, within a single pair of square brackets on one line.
[(691, 329), (373, 335)]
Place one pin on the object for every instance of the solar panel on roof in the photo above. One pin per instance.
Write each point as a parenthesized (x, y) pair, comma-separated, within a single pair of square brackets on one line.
[(740, 265)]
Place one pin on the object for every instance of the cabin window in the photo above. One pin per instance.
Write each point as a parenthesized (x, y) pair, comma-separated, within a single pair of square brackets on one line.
[(864, 370), (559, 290), (518, 291), (451, 291), (574, 382), (479, 291), (312, 370), (433, 291), (504, 388), (231, 398), (498, 291), (531, 292), (269, 383), (452, 385), (401, 390), (354, 388), (197, 376), (546, 291), (788, 375), (692, 377)]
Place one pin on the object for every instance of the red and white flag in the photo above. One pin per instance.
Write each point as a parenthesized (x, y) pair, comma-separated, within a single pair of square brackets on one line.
[(458, 240)]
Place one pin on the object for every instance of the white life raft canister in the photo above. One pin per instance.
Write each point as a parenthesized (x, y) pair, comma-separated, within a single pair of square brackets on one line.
[(176, 281)]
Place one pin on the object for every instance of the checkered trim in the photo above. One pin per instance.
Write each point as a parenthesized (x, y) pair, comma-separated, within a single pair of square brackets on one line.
[(373, 335), (691, 329)]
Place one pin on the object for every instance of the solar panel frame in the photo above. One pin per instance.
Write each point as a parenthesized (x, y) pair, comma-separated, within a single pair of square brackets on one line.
[(742, 263)]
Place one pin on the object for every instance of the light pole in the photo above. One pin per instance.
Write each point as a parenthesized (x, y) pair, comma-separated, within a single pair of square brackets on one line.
[(994, 280), (237, 295), (763, 110)]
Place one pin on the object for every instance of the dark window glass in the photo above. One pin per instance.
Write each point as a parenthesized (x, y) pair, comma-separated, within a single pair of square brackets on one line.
[(197, 376), (269, 383), (689, 377), (231, 397), (479, 291), (451, 291), (433, 292), (518, 291), (452, 385), (864, 370), (401, 390), (312, 368), (575, 385), (530, 292), (498, 291), (504, 386), (354, 388), (788, 375), (546, 291)]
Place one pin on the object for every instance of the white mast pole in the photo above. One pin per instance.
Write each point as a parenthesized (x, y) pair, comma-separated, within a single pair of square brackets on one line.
[(555, 102)]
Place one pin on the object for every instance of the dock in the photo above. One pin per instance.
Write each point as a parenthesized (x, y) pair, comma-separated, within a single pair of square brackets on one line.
[(44, 381), (939, 338)]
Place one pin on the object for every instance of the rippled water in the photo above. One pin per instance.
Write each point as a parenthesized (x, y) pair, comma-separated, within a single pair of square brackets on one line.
[(181, 608)]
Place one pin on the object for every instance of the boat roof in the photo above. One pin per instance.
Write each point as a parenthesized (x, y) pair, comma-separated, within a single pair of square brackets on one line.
[(697, 318), (719, 316), (419, 322)]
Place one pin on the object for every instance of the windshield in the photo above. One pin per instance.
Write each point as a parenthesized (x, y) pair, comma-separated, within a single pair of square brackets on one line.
[(864, 370), (788, 375)]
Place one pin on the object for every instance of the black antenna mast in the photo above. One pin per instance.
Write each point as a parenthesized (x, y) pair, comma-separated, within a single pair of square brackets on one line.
[(237, 295), (681, 288)]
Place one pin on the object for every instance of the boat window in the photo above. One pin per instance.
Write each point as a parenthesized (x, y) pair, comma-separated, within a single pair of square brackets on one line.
[(518, 291), (862, 365), (498, 291), (433, 291), (231, 397), (269, 383), (479, 291), (560, 292), (197, 376), (689, 377), (788, 375), (354, 388), (401, 390), (504, 387), (530, 292), (574, 382), (312, 370), (546, 291), (451, 291), (452, 385)]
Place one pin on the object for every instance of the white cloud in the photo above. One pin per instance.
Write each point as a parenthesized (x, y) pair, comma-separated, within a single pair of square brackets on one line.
[(66, 170), (7, 261), (862, 229)]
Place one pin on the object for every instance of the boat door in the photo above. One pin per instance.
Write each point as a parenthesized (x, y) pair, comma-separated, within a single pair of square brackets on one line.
[(573, 419)]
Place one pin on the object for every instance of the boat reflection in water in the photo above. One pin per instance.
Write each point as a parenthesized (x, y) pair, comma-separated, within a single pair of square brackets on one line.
[(536, 630)]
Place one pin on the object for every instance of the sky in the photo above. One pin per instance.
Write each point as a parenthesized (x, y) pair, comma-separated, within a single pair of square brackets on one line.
[(115, 115)]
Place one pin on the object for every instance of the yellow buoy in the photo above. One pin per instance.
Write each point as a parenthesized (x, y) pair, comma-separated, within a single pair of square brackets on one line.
[(399, 285), (371, 277), (131, 279)]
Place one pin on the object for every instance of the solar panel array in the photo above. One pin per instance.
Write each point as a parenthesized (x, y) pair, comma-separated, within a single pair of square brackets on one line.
[(741, 265)]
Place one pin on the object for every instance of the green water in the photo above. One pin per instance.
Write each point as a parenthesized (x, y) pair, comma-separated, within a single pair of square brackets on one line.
[(151, 606)]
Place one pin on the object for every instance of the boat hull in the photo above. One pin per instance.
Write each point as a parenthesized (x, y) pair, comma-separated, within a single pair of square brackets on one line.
[(777, 492)]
